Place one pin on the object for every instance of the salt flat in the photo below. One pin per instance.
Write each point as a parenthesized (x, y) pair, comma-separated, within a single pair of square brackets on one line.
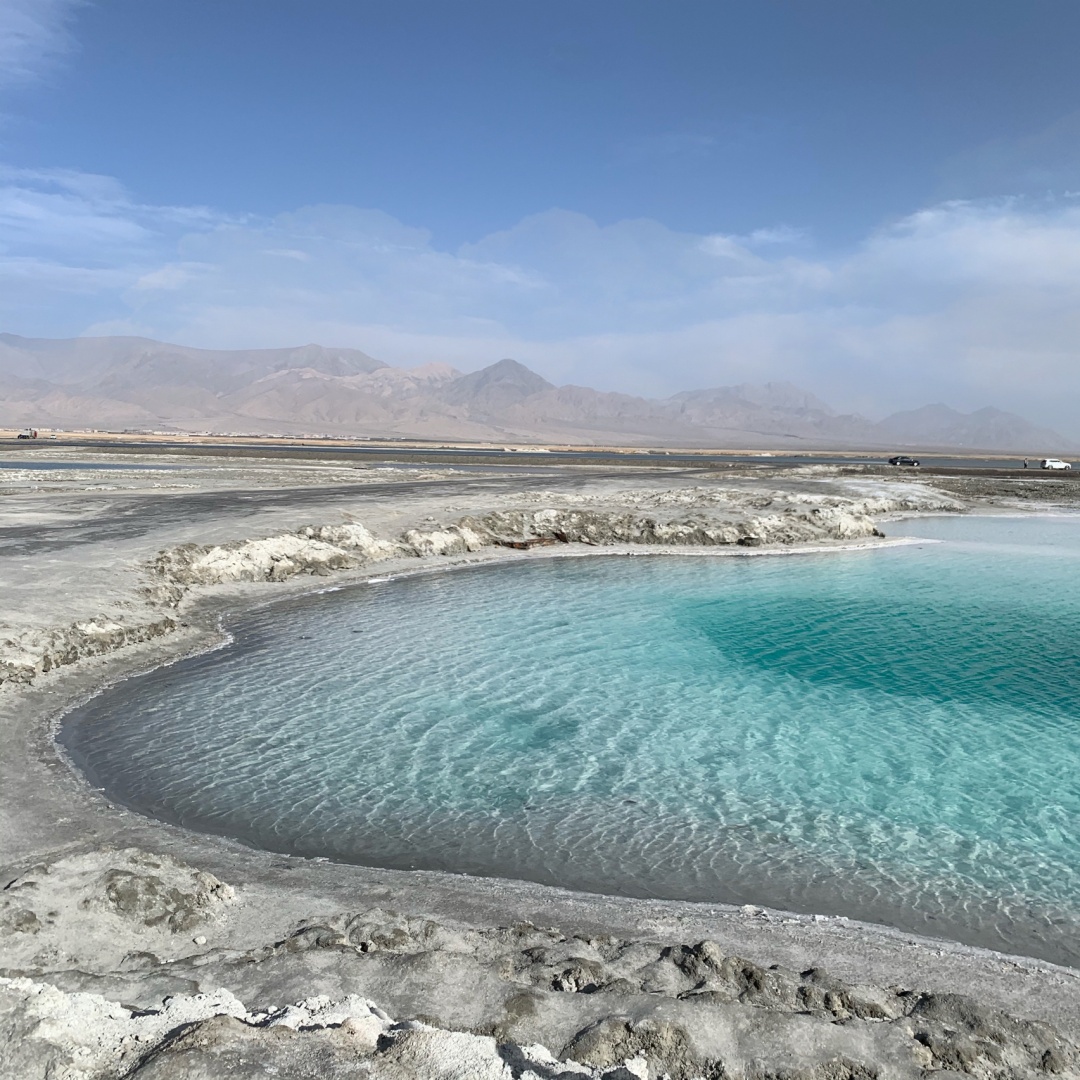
[(105, 914)]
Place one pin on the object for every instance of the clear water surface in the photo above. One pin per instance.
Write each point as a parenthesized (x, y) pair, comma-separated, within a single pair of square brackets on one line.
[(891, 735)]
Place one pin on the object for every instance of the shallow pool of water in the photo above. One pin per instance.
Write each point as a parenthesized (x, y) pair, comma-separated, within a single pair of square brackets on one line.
[(890, 734)]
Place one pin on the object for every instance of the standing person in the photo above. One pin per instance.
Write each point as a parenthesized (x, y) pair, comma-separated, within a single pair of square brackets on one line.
[(1025, 463)]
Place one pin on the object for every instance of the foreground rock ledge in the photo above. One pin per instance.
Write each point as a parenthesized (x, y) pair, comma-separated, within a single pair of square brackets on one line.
[(131, 980)]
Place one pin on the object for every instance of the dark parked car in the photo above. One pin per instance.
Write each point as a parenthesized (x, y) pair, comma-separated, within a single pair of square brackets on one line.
[(902, 459)]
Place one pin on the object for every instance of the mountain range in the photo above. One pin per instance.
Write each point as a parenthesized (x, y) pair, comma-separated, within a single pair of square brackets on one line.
[(129, 383)]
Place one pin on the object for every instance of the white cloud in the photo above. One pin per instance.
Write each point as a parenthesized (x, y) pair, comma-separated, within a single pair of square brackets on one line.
[(974, 303), (33, 36), (289, 253), (82, 216), (170, 276), (777, 234)]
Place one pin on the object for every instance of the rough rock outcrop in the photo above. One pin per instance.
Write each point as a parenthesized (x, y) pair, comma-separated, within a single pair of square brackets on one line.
[(321, 550), (602, 528), (318, 550), (105, 909), (31, 653), (122, 964), (45, 1032), (642, 1010), (452, 540), (691, 1011)]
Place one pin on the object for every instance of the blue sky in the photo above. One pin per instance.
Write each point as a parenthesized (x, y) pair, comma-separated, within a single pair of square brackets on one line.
[(880, 201)]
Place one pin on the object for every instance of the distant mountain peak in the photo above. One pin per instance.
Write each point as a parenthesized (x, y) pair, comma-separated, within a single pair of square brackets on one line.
[(117, 381), (508, 369), (770, 395), (985, 429), (495, 387), (320, 358)]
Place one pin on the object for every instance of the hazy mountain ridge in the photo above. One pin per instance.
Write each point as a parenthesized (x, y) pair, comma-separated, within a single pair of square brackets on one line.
[(932, 423), (145, 384)]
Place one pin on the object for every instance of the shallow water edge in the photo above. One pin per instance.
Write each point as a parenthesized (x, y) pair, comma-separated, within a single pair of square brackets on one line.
[(235, 609)]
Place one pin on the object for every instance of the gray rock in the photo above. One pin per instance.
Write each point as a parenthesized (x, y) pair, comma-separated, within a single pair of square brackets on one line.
[(664, 1046)]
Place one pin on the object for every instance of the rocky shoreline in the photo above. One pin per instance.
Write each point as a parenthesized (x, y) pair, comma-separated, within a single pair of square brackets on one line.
[(132, 948), (608, 1006), (327, 549)]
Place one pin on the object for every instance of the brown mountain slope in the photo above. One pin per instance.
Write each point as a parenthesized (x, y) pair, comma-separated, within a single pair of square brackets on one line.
[(136, 382)]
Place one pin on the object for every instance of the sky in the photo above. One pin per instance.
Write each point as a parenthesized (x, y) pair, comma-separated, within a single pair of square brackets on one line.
[(879, 201)]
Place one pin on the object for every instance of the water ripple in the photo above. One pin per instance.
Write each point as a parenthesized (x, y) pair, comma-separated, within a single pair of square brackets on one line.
[(889, 735)]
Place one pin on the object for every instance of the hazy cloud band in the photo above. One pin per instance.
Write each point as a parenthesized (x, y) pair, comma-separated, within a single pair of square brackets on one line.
[(973, 303)]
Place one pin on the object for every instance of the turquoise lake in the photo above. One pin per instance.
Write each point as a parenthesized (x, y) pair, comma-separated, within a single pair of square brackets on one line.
[(892, 735)]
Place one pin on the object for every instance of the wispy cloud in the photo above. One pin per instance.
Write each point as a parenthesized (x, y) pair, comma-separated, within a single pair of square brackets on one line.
[(34, 35), (777, 234), (81, 215), (972, 302), (74, 245)]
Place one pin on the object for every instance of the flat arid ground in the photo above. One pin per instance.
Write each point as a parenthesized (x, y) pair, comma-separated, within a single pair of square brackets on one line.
[(132, 948)]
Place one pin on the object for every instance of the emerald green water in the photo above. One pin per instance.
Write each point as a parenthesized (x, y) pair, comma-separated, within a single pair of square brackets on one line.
[(891, 735)]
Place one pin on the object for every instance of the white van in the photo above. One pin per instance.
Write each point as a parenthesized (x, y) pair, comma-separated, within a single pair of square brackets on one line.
[(1054, 463)]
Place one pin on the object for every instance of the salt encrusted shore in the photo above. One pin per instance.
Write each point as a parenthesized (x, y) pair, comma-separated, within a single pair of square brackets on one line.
[(129, 948)]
